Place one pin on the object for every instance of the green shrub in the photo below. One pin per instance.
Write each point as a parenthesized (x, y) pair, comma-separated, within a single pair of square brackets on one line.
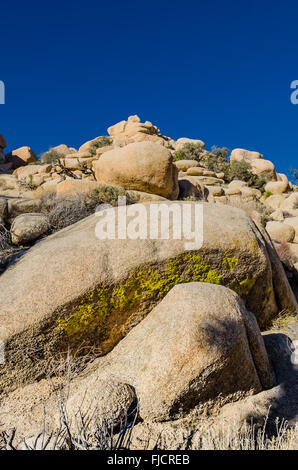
[(190, 151), (51, 156), (30, 184), (243, 171), (96, 144), (267, 194), (213, 160), (216, 160)]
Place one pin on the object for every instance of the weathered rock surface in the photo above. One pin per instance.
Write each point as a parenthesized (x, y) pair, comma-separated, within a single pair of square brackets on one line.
[(132, 130), (24, 409), (263, 168), (143, 166), (277, 187), (109, 398), (64, 149), (280, 232), (190, 188), (232, 422), (23, 172), (185, 140), (18, 206), (277, 215), (293, 221), (291, 202), (198, 347), (242, 154), (184, 165), (21, 156), (275, 201), (96, 290), (72, 187), (237, 184), (28, 227)]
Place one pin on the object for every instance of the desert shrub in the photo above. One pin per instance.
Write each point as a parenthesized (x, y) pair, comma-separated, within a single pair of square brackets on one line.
[(104, 141), (30, 183), (7, 249), (190, 151), (51, 156), (243, 171), (5, 241), (294, 175), (110, 194), (238, 171), (103, 437), (90, 429), (63, 211), (267, 194), (214, 160)]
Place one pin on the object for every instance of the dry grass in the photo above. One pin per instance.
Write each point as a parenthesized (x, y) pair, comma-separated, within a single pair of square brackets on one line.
[(285, 438), (5, 240), (97, 431), (64, 210), (285, 319), (101, 434)]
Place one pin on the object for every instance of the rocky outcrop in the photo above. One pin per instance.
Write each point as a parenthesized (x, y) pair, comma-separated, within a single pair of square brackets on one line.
[(72, 187), (143, 166), (199, 347), (185, 140), (21, 156), (96, 290), (184, 165), (277, 187), (263, 168), (238, 155), (132, 130), (293, 222)]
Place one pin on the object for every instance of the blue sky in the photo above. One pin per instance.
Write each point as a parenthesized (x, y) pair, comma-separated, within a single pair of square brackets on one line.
[(216, 70)]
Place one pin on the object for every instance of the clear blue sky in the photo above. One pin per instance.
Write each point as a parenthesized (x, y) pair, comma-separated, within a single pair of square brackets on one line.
[(215, 70)]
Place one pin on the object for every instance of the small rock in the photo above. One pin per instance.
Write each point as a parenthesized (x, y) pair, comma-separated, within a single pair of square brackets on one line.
[(184, 165), (28, 228), (280, 232)]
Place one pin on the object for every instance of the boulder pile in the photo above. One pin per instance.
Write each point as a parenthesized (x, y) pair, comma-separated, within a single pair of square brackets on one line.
[(167, 326)]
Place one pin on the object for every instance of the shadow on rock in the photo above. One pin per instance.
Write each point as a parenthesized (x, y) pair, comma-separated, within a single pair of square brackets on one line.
[(281, 352)]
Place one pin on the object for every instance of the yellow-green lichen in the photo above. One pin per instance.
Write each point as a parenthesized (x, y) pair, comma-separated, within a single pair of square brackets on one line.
[(266, 299), (229, 262), (244, 287), (140, 289)]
